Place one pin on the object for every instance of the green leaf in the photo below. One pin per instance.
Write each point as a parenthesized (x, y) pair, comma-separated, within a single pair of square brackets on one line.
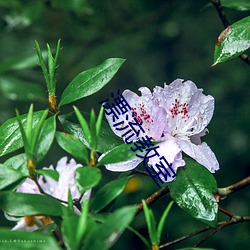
[(162, 221), (118, 154), (69, 230), (90, 81), (16, 240), (46, 138), (107, 139), (108, 193), (99, 123), (20, 204), (87, 177), (143, 239), (19, 90), (92, 127), (18, 162), (151, 223), (233, 41), (73, 146), (241, 5), (84, 125), (10, 136), (53, 174), (193, 191), (8, 176), (106, 234)]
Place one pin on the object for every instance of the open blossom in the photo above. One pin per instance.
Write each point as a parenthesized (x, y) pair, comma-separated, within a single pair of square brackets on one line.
[(177, 116), (58, 189)]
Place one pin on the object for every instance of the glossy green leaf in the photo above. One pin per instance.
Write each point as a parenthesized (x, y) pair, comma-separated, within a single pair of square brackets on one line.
[(107, 139), (193, 191), (108, 193), (118, 154), (19, 90), (73, 146), (105, 235), (9, 175), (87, 177), (241, 5), (46, 138), (18, 162), (233, 41), (20, 204), (90, 81), (10, 136), (53, 174), (16, 240)]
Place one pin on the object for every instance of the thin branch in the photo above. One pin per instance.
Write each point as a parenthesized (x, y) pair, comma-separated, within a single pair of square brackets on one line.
[(224, 211), (223, 192), (152, 198), (235, 220), (141, 172), (226, 23)]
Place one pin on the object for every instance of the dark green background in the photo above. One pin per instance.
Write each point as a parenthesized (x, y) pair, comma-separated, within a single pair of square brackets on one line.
[(162, 41)]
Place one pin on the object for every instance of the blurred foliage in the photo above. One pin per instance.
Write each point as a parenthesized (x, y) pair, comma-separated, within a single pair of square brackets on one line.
[(161, 41)]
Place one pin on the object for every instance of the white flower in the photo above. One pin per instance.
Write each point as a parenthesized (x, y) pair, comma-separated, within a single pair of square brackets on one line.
[(58, 189), (177, 115)]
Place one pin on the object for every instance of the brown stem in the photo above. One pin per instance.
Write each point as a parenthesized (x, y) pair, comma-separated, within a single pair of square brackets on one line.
[(224, 211), (223, 192), (152, 198), (226, 23), (235, 220)]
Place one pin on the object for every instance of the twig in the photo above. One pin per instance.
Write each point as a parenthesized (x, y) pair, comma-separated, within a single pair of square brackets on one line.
[(224, 211), (152, 198), (235, 220), (223, 192), (226, 23), (142, 172)]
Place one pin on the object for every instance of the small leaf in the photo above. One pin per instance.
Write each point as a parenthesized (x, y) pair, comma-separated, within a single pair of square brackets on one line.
[(19, 90), (241, 5), (8, 176), (73, 146), (84, 125), (90, 81), (118, 154), (20, 204), (107, 138), (193, 191), (233, 41), (99, 123), (162, 221), (53, 174), (108, 193), (10, 136), (46, 138), (150, 219), (106, 234), (16, 240), (87, 177)]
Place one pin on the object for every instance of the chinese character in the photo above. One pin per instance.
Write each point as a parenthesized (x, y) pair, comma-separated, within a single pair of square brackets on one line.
[(162, 171), (118, 107), (140, 144), (147, 156), (129, 130)]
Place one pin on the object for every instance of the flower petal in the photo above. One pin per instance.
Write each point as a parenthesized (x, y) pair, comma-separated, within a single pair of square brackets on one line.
[(29, 187), (201, 153), (189, 110), (124, 166), (170, 150)]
